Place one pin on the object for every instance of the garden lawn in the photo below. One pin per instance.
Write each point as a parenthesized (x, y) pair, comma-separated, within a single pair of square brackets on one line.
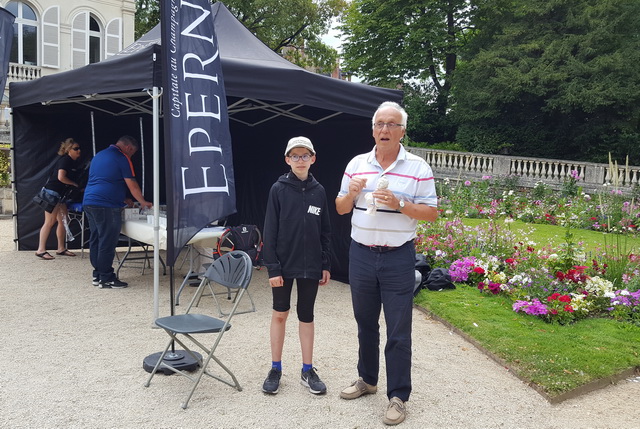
[(555, 235), (556, 358)]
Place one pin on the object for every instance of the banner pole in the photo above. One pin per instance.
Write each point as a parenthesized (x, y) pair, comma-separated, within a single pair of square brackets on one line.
[(156, 204)]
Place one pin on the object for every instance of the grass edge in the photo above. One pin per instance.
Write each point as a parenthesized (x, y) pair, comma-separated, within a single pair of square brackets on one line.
[(552, 399)]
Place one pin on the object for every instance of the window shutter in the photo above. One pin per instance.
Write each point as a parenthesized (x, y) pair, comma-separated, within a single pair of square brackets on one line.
[(113, 43), (51, 37), (80, 40)]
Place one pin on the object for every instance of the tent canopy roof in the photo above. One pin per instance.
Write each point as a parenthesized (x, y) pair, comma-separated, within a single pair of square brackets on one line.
[(260, 84)]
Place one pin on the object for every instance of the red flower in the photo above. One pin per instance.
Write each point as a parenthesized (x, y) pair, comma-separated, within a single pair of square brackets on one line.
[(510, 261), (553, 297), (494, 288), (478, 270), (564, 298), (553, 311), (594, 218), (568, 308)]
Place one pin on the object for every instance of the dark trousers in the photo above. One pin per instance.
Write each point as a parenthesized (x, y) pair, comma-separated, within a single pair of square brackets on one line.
[(384, 280), (307, 292), (104, 224)]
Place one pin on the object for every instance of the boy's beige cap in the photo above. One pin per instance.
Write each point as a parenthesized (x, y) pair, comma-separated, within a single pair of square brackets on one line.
[(299, 142)]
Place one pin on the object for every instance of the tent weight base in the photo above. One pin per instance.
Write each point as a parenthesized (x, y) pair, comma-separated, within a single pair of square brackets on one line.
[(178, 359)]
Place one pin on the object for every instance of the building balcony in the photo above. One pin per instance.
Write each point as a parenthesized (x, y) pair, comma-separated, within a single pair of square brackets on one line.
[(22, 72)]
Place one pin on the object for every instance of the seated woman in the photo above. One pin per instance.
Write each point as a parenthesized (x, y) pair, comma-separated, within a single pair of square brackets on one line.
[(63, 176)]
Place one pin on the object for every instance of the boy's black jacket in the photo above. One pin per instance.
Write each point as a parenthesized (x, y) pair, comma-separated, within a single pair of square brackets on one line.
[(297, 229)]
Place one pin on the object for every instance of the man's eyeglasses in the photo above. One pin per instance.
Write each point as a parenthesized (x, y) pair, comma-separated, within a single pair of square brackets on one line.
[(390, 125), (75, 148), (295, 158)]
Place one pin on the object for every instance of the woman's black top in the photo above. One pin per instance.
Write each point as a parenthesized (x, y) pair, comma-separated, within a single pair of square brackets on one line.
[(70, 166)]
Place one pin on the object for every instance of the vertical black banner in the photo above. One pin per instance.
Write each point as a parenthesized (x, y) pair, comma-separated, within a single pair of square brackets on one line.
[(198, 158), (6, 40)]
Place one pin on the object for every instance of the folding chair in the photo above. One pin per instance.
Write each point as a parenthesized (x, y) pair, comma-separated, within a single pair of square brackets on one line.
[(234, 271), (210, 283)]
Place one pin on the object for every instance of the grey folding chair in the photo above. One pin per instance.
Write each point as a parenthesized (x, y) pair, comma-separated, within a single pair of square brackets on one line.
[(234, 271), (213, 283)]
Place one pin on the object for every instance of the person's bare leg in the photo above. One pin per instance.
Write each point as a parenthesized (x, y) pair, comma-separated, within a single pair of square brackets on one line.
[(306, 332), (50, 219), (61, 233), (277, 332)]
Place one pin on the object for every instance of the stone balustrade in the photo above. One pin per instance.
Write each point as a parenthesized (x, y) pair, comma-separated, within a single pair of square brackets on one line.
[(552, 172), (23, 72)]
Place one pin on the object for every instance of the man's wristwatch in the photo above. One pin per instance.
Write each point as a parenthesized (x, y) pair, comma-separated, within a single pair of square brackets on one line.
[(401, 206)]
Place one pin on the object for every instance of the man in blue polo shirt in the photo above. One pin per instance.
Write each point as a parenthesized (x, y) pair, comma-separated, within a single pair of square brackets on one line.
[(110, 175), (382, 253)]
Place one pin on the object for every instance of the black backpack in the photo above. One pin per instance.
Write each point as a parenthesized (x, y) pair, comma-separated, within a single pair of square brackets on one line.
[(242, 237), (422, 273)]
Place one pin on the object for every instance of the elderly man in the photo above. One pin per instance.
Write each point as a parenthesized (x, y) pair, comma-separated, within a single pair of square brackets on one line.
[(382, 253)]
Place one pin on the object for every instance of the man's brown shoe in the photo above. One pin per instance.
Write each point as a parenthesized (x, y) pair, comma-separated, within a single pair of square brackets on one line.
[(357, 389), (396, 412)]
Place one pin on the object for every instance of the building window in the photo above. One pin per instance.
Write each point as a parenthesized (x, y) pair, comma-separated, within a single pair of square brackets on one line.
[(24, 49), (95, 41)]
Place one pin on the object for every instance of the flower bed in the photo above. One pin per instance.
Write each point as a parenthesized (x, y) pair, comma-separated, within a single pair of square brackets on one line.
[(559, 282)]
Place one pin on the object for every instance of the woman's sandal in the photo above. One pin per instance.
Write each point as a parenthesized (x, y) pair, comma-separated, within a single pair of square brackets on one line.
[(66, 252), (45, 255)]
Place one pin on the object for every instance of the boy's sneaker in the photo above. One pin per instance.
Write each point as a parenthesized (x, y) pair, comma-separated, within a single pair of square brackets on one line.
[(113, 284), (311, 380), (272, 384), (95, 281)]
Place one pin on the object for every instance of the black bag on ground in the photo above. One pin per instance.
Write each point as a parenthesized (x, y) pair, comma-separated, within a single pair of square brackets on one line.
[(439, 279), (242, 237), (422, 273), (46, 200)]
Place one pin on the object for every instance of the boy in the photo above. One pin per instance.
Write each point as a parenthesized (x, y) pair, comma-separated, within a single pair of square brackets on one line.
[(296, 246)]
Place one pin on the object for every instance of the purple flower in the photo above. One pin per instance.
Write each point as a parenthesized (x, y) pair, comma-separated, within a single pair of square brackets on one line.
[(534, 308)]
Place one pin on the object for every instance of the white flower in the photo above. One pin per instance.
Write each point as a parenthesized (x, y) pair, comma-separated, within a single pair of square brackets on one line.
[(598, 286)]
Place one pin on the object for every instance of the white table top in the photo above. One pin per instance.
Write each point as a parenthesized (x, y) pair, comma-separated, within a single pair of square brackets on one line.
[(142, 231)]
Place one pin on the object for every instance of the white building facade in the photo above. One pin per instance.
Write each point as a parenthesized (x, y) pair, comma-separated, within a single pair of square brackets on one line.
[(51, 36)]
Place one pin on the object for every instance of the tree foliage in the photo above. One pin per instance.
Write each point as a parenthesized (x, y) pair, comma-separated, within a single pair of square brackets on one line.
[(147, 16), (552, 78), (411, 44), (292, 28)]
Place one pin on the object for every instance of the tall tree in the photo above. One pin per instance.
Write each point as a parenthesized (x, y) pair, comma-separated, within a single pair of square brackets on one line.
[(398, 42), (553, 78), (291, 28), (147, 16)]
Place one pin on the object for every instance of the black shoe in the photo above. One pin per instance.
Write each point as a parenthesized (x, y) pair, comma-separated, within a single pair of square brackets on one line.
[(272, 384), (95, 281), (311, 380), (113, 284)]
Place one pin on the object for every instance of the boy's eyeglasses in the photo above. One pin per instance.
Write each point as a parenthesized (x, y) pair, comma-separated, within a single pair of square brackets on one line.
[(75, 148), (295, 158), (390, 125)]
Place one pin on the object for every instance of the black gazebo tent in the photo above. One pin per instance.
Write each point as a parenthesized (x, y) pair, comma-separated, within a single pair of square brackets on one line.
[(270, 100)]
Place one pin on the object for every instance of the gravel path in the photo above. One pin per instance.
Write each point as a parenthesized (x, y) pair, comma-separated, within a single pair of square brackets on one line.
[(72, 358)]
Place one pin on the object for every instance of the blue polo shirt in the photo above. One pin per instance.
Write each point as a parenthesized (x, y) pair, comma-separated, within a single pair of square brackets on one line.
[(106, 186)]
